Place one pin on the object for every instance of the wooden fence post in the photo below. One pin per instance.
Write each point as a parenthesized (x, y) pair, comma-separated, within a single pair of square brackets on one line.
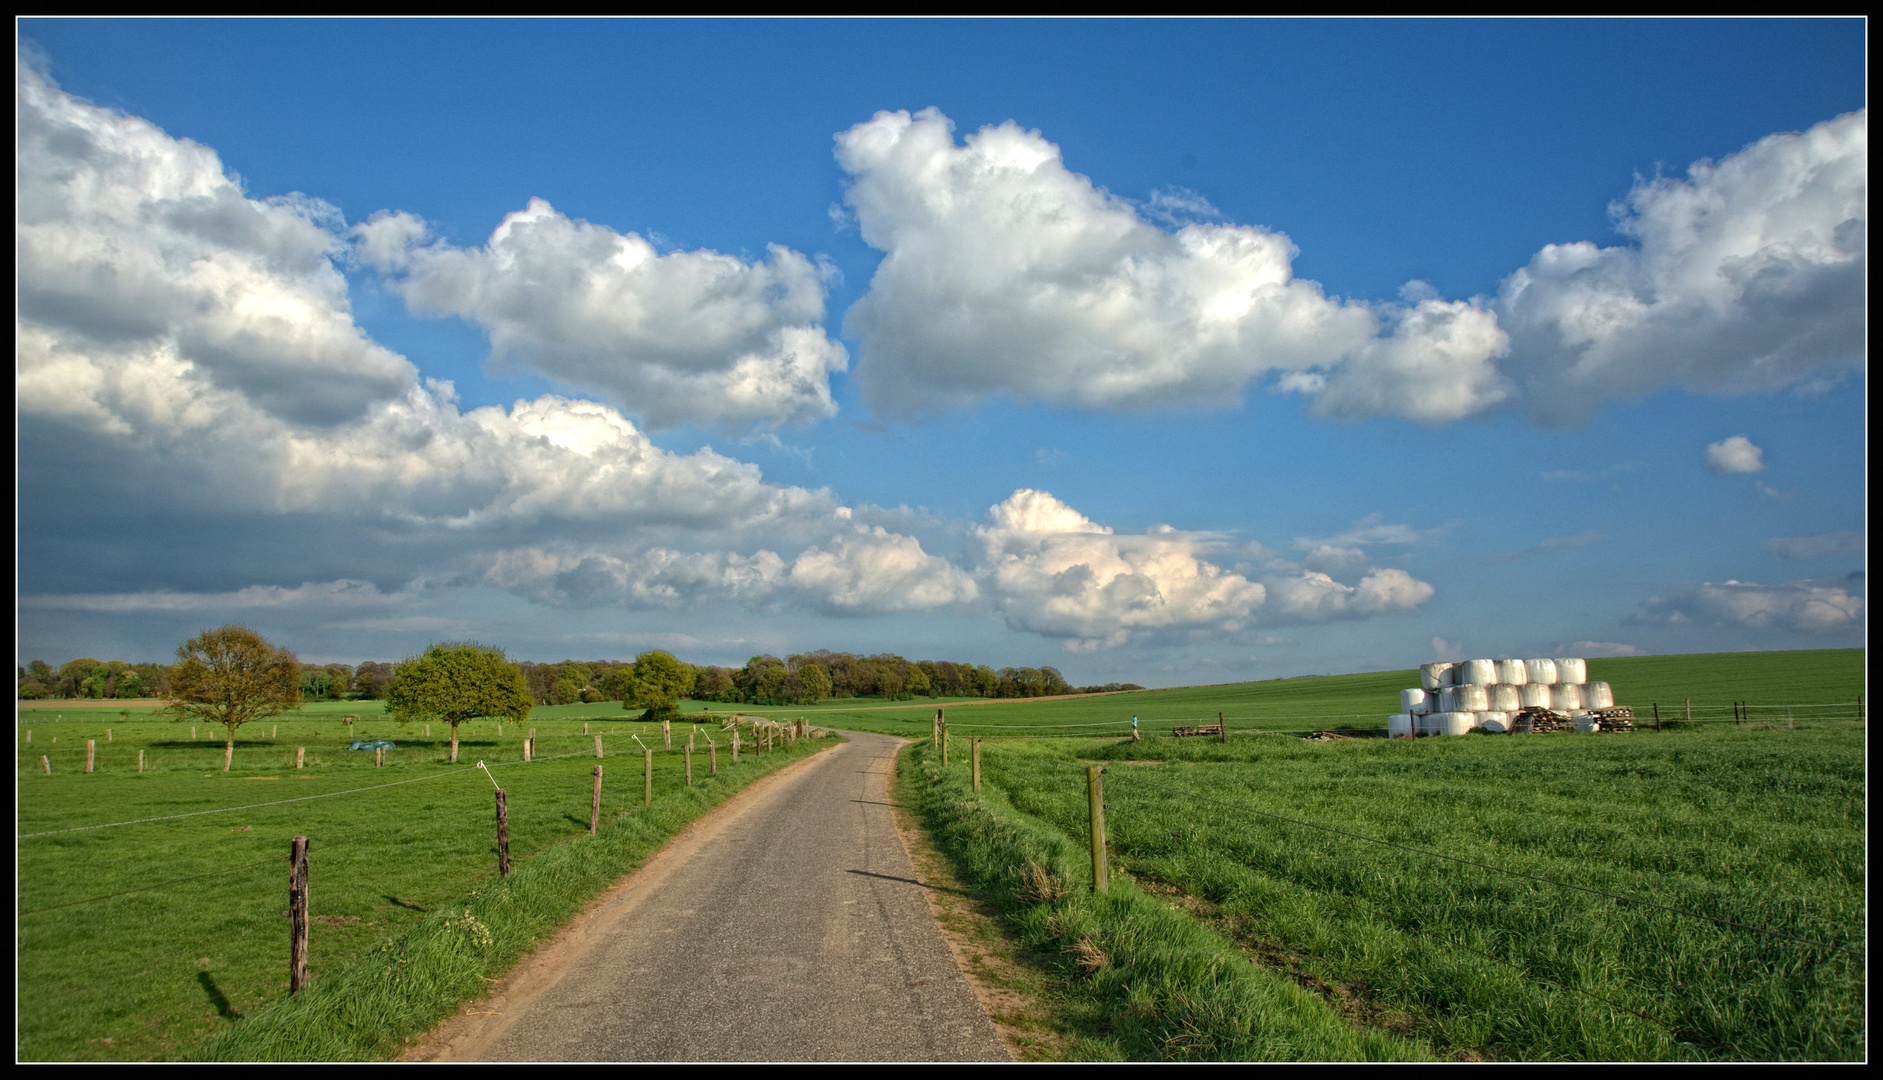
[(91, 753), (107, 734), (595, 804), (974, 763), (297, 914), (1222, 728), (712, 753), (689, 753), (666, 734), (140, 761), (503, 836), (598, 746), (800, 733), (1657, 716), (1689, 710), (647, 779), (735, 746), (935, 729), (1095, 791), (300, 757), (47, 763), (585, 727)]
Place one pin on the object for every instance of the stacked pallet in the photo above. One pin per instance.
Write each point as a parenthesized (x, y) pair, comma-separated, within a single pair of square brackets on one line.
[(1499, 696)]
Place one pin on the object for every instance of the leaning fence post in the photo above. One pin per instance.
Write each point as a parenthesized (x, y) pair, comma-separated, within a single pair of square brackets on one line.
[(647, 776), (47, 763), (974, 763), (1095, 790), (503, 836), (595, 804), (297, 914), (91, 753)]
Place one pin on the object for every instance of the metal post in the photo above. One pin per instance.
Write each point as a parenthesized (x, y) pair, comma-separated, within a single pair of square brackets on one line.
[(297, 914), (1095, 789)]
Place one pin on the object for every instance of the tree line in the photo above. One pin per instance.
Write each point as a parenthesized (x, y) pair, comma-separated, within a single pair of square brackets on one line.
[(801, 678)]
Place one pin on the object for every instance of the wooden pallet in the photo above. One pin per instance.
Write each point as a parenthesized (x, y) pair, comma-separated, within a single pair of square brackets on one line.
[(1199, 729)]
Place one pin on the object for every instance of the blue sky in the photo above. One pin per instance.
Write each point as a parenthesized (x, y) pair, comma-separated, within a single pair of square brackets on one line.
[(1170, 351)]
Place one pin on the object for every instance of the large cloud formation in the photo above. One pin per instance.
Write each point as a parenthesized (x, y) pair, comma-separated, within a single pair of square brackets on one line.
[(687, 336), (1747, 274), (187, 359), (1006, 273)]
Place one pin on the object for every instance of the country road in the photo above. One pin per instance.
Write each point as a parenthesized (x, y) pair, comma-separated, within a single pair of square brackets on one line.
[(784, 926)]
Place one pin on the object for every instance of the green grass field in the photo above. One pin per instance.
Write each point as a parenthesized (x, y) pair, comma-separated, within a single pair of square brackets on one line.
[(1358, 951), (1759, 824), (110, 968)]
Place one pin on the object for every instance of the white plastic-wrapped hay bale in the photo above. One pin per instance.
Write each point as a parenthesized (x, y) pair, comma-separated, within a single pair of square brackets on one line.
[(1506, 697), (1512, 672), (1566, 697), (1432, 723), (1542, 672), (1598, 695), (1432, 676), (1534, 695), (1398, 725), (1586, 722), (1464, 699), (1477, 673), (1415, 700), (1572, 671), (1495, 721), (1459, 723)]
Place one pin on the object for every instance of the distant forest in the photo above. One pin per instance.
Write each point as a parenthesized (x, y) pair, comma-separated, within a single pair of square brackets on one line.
[(799, 679)]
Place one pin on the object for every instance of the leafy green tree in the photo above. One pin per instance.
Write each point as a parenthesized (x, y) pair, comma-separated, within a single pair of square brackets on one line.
[(813, 683), (231, 676), (457, 681), (918, 684), (658, 681), (570, 682)]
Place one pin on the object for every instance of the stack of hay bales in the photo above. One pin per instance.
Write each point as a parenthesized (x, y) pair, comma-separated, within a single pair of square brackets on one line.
[(1483, 695)]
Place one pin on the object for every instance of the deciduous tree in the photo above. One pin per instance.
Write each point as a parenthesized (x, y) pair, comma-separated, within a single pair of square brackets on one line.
[(231, 676), (458, 681)]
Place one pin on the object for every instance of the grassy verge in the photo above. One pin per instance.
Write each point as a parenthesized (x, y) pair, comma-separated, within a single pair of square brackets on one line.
[(374, 1005), (1138, 979), (1761, 827)]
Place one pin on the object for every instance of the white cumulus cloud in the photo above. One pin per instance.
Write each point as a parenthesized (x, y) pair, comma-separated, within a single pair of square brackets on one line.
[(134, 245), (874, 570), (1052, 570), (687, 336), (1735, 455), (1312, 596), (1004, 272), (1746, 274)]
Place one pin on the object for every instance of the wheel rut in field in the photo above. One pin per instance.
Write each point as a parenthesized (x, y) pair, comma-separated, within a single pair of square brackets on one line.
[(786, 925)]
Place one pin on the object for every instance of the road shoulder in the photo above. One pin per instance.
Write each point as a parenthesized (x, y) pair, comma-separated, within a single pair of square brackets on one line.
[(1013, 995)]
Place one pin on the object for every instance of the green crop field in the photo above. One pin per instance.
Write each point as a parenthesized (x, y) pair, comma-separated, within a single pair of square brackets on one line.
[(1772, 683), (112, 968), (1754, 833)]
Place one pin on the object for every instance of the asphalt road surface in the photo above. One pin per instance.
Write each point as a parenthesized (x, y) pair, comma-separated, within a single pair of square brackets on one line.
[(785, 926)]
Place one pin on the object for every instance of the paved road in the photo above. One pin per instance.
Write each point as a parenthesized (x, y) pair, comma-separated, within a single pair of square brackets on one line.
[(784, 927)]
